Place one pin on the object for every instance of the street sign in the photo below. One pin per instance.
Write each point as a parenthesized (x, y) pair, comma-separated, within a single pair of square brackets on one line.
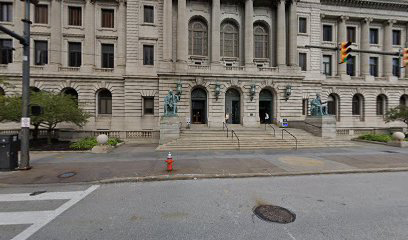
[(25, 122)]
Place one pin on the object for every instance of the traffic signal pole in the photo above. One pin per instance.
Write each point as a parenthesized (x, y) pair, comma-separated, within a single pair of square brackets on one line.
[(355, 50), (25, 120)]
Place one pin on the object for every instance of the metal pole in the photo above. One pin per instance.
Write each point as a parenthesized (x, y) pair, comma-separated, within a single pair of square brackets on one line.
[(25, 120)]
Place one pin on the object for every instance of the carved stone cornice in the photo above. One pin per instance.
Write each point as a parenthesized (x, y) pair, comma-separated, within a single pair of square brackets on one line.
[(398, 5)]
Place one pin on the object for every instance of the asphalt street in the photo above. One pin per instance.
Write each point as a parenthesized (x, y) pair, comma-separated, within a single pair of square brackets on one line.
[(353, 206)]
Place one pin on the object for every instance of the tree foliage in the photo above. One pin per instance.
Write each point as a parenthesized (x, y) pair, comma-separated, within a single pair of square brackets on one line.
[(399, 113), (57, 108)]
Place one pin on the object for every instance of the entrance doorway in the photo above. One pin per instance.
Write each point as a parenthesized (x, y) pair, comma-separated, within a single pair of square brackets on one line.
[(233, 106), (265, 106), (198, 106)]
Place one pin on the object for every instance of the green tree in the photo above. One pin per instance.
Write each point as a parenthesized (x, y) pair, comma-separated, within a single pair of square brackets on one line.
[(57, 108), (399, 113)]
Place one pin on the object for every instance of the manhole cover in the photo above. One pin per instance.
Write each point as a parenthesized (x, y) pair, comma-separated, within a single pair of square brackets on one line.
[(67, 175), (276, 214)]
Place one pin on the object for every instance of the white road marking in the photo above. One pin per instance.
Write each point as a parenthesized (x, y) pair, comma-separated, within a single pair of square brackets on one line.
[(290, 235), (39, 219), (43, 196)]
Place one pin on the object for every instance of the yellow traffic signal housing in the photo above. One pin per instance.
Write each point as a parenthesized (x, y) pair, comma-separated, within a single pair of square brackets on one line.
[(345, 52), (405, 57)]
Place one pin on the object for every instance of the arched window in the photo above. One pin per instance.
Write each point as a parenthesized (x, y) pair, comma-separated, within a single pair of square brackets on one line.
[(229, 40), (2, 93), (104, 102), (404, 100), (358, 105), (381, 104), (261, 38), (71, 92), (197, 38)]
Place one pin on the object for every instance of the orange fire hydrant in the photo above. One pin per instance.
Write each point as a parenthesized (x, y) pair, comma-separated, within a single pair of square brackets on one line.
[(169, 162)]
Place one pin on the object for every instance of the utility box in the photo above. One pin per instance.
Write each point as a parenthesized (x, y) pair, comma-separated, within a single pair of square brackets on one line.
[(284, 123), (9, 147)]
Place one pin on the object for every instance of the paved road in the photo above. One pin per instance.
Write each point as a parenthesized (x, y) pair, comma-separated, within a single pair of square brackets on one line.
[(356, 206)]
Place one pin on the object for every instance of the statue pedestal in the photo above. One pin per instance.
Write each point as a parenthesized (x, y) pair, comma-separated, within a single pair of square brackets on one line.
[(322, 126), (169, 129)]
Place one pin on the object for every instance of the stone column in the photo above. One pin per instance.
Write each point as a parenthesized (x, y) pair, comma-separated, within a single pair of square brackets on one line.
[(55, 45), (182, 32), (365, 45), (406, 45), (88, 48), (387, 60), (121, 24), (281, 33), (249, 32), (293, 55), (168, 30), (215, 31), (342, 37)]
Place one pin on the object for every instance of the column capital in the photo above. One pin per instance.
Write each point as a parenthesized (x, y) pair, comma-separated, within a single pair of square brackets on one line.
[(367, 20), (344, 18), (390, 22)]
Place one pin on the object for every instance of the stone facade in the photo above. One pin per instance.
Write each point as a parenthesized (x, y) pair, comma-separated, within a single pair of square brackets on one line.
[(131, 81)]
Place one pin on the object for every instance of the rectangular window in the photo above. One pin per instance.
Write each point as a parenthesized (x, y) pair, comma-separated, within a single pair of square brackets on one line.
[(374, 66), (396, 69), (327, 65), (74, 54), (373, 36), (302, 25), (108, 18), (41, 52), (302, 61), (305, 106), (6, 12), (396, 37), (327, 33), (148, 105), (41, 14), (75, 16), (351, 66), (148, 55), (351, 34), (108, 56), (6, 51), (148, 14)]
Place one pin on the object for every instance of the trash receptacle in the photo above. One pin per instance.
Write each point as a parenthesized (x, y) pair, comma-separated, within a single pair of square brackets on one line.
[(9, 147)]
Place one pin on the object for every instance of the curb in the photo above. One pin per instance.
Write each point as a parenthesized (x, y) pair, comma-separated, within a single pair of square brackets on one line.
[(157, 178)]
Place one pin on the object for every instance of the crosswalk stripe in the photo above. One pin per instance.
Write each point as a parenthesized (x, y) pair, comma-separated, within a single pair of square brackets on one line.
[(39, 219), (43, 196)]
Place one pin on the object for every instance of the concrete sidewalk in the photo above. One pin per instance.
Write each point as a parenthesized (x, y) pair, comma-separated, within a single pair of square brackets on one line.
[(143, 163)]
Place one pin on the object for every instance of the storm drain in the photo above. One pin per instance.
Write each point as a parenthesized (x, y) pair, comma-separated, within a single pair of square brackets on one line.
[(67, 175), (276, 214)]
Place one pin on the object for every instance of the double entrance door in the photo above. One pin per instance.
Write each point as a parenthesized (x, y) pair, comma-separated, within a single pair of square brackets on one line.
[(233, 107)]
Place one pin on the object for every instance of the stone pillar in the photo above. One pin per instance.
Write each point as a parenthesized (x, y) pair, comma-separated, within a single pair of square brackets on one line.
[(406, 45), (365, 45), (342, 37), (281, 33), (215, 31), (293, 55), (387, 60), (121, 46), (249, 32), (88, 48), (55, 45), (168, 30), (182, 32)]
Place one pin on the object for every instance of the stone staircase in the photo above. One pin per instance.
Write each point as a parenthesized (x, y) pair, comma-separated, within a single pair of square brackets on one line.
[(249, 139)]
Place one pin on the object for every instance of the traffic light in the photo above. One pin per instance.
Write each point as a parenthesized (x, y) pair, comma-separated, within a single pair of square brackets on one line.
[(405, 57), (345, 52)]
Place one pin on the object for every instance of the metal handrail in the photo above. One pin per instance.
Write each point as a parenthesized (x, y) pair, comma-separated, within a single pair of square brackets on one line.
[(270, 125), (224, 125), (232, 135), (292, 136)]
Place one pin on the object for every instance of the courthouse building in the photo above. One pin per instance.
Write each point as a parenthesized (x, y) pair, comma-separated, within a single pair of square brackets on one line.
[(234, 58)]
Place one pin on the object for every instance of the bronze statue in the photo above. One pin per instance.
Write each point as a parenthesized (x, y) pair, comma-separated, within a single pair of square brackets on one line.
[(170, 104), (317, 107)]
